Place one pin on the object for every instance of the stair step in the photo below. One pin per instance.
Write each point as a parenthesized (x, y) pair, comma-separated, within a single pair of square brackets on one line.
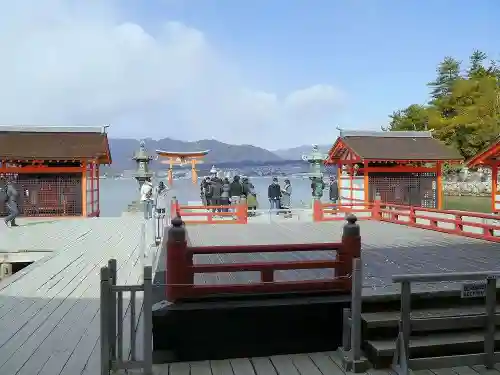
[(432, 319), (386, 347)]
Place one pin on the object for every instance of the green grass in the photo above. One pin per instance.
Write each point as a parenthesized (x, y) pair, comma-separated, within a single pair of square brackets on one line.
[(466, 203)]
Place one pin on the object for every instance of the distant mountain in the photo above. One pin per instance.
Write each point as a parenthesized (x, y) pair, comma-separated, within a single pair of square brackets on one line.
[(296, 153), (122, 151)]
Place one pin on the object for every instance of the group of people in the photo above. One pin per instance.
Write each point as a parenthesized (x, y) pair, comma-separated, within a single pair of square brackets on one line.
[(280, 197), (220, 193)]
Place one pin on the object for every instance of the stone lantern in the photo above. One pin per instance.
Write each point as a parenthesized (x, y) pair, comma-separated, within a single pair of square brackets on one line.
[(316, 160), (142, 158)]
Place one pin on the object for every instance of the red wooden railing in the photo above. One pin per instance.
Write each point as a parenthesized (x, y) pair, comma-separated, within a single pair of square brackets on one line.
[(469, 224), (181, 268), (237, 214)]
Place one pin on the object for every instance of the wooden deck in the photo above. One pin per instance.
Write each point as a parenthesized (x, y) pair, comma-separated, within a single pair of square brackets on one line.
[(298, 364), (387, 249), (49, 311)]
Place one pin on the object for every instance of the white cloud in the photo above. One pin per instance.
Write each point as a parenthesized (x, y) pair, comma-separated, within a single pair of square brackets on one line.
[(65, 64)]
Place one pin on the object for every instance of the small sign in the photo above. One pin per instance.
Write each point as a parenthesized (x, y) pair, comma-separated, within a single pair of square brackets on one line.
[(473, 290)]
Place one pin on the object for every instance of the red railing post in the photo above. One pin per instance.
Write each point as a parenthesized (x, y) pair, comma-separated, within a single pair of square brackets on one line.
[(179, 262), (351, 246), (242, 212), (376, 214), (317, 210)]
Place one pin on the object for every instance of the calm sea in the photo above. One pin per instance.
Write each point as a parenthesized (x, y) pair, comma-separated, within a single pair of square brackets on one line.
[(117, 194)]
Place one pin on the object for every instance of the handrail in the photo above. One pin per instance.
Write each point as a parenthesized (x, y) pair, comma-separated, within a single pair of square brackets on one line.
[(181, 268), (112, 316), (401, 359)]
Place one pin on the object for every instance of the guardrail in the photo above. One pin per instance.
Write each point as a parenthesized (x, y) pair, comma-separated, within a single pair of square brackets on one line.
[(231, 214), (402, 363), (181, 268), (468, 224), (336, 211), (116, 319)]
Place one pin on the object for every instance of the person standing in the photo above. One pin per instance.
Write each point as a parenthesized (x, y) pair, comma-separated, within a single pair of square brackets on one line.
[(224, 198), (274, 195), (216, 194), (235, 191), (334, 190), (286, 198), (147, 198), (11, 196)]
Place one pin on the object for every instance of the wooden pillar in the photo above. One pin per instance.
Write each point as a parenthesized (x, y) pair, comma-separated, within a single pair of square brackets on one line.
[(351, 183), (194, 174), (92, 177), (84, 188), (170, 171), (339, 181), (98, 193), (439, 185), (494, 186), (366, 182)]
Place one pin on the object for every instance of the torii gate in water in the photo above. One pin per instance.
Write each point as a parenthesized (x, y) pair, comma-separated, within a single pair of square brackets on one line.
[(180, 158)]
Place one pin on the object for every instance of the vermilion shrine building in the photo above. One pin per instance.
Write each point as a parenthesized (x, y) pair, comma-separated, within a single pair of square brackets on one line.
[(55, 169), (397, 167), (490, 158)]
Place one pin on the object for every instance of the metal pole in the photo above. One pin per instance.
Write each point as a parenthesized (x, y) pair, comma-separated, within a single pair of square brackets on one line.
[(143, 246), (357, 289), (489, 337), (148, 321), (105, 349)]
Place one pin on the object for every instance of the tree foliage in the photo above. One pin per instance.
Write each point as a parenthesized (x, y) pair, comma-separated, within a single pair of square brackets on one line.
[(464, 105)]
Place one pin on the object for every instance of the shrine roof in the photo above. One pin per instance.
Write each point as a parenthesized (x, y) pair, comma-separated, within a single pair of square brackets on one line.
[(393, 146), (488, 156), (54, 143)]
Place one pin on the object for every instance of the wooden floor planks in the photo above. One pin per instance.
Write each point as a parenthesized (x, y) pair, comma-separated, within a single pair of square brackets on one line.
[(49, 314)]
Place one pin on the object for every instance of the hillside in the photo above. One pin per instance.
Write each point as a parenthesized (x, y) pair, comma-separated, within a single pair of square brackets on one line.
[(123, 149), (296, 153)]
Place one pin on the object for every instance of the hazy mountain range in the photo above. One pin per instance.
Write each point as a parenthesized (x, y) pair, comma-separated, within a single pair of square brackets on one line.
[(122, 151)]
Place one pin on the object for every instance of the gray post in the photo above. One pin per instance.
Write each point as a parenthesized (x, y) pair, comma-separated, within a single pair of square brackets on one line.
[(405, 323), (346, 330), (105, 349), (357, 289), (489, 338), (112, 266), (148, 321)]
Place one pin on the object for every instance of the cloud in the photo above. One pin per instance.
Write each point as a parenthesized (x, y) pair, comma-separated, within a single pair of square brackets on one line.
[(66, 64)]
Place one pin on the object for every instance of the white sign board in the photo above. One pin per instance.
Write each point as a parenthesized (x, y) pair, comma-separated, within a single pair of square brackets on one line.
[(473, 290)]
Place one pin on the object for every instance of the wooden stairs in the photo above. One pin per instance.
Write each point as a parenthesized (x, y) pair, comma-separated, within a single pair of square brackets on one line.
[(442, 332)]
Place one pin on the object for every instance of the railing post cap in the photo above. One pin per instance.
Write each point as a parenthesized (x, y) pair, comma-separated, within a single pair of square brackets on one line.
[(177, 231), (351, 228)]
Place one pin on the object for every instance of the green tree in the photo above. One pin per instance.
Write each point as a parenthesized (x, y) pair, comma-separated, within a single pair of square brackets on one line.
[(414, 117), (463, 111)]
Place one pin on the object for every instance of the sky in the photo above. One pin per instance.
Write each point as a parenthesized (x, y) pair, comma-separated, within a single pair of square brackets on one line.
[(275, 74)]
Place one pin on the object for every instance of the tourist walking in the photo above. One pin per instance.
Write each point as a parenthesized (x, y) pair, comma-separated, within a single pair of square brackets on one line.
[(10, 197), (147, 198), (274, 195), (334, 190), (286, 198), (224, 198)]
